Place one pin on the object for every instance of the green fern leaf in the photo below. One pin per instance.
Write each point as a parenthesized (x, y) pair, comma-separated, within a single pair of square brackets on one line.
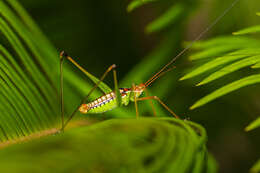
[(162, 145), (227, 89), (231, 68), (213, 52), (227, 40), (28, 92), (240, 52), (255, 124), (253, 29), (213, 64), (168, 18), (218, 46), (137, 3), (257, 65)]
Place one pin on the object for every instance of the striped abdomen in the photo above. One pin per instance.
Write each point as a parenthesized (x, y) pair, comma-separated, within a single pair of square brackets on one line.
[(104, 103)]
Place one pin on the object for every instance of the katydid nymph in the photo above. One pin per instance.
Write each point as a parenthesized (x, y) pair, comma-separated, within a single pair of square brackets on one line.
[(113, 99), (122, 96)]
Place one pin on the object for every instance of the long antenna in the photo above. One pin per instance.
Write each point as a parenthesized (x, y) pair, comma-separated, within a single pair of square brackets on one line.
[(196, 39)]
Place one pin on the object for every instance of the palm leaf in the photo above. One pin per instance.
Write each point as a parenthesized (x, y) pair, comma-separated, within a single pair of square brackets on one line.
[(227, 89), (146, 145), (255, 124), (237, 53), (253, 29), (166, 19), (137, 3), (249, 30), (240, 52), (170, 17), (28, 93), (222, 45)]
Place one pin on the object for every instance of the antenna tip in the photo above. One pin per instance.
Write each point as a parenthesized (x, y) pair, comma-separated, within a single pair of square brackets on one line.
[(63, 54)]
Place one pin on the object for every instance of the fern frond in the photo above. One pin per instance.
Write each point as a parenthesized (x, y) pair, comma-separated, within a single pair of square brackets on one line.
[(146, 145), (250, 30), (255, 124), (29, 98), (231, 68), (229, 53), (222, 45), (137, 3), (166, 19), (227, 89), (213, 64)]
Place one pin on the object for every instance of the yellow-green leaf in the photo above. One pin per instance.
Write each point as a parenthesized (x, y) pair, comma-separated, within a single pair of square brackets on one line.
[(148, 145), (137, 3), (166, 19), (227, 89), (253, 29), (213, 51), (212, 64), (231, 68), (255, 124)]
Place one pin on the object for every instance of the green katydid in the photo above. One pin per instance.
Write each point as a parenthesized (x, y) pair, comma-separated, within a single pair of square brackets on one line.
[(122, 96), (112, 99)]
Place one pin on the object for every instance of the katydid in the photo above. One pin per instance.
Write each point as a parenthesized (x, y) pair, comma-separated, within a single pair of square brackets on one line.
[(122, 96), (113, 99)]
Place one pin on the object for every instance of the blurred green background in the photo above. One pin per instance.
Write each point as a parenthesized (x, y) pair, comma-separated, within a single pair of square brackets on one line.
[(101, 33)]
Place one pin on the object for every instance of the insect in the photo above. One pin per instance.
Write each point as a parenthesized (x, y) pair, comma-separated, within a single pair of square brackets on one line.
[(122, 96), (113, 99)]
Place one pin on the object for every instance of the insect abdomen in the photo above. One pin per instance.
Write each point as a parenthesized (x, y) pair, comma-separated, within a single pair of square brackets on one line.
[(104, 103), (104, 107), (100, 105)]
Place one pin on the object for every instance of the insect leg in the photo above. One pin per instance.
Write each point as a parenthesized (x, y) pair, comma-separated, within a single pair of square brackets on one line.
[(63, 54), (164, 105), (117, 92), (61, 90), (150, 101), (135, 100)]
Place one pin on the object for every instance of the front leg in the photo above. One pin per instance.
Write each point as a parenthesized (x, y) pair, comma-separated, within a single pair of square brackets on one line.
[(150, 101), (135, 100)]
